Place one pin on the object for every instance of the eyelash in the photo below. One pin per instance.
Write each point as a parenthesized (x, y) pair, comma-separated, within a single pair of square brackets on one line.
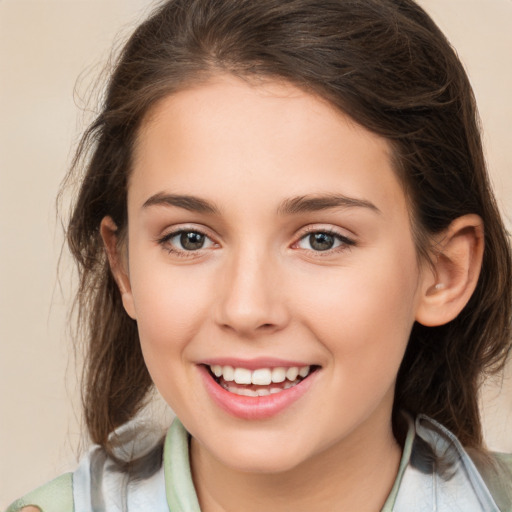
[(345, 242), (182, 253)]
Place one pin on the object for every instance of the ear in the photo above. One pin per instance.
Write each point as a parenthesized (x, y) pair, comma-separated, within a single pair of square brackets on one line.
[(457, 258), (118, 263)]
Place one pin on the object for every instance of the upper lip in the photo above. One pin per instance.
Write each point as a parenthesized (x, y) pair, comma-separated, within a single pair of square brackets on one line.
[(254, 364)]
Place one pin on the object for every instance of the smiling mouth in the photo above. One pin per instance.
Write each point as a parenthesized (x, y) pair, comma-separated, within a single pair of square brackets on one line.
[(259, 382)]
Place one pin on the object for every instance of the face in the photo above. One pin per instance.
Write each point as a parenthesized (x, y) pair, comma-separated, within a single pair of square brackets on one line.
[(271, 270)]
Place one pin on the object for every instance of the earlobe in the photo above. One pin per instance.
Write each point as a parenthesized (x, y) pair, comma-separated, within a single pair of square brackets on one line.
[(448, 285), (109, 234)]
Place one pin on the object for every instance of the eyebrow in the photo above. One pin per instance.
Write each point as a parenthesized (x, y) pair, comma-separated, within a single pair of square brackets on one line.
[(294, 205), (307, 204), (191, 203)]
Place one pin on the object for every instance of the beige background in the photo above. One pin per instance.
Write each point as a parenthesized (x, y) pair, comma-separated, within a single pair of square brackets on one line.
[(45, 46)]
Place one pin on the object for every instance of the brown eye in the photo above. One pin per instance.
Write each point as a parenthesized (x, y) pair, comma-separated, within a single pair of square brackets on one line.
[(191, 240), (186, 241), (321, 241)]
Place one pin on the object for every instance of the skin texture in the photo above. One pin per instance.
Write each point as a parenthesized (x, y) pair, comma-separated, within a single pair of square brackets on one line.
[(257, 288)]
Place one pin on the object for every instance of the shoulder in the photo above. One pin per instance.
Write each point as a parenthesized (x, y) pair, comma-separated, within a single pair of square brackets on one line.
[(439, 473), (465, 471), (496, 471), (135, 476), (505, 460), (55, 496)]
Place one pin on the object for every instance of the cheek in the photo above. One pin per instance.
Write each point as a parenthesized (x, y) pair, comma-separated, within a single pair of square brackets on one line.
[(366, 309), (170, 304), (170, 311), (363, 317)]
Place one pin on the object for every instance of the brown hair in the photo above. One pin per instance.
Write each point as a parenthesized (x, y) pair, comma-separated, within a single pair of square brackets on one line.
[(387, 65)]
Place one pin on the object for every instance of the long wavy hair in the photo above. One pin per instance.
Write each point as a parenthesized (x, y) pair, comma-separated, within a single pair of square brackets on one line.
[(384, 63)]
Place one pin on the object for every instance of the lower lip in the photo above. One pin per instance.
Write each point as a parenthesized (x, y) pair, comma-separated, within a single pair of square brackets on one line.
[(254, 407)]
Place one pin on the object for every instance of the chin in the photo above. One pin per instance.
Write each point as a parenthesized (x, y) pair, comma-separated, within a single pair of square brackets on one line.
[(265, 456), (263, 462)]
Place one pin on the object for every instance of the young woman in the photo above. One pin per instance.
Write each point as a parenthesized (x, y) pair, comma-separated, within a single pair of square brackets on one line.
[(285, 225)]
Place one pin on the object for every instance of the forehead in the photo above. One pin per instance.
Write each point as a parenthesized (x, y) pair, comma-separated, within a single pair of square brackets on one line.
[(228, 136)]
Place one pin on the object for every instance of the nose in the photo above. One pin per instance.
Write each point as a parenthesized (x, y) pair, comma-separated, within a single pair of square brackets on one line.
[(251, 300)]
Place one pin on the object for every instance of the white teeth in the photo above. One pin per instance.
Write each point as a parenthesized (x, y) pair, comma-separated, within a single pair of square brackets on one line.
[(263, 391), (262, 377), (304, 371), (243, 376), (245, 392), (278, 375), (291, 373), (217, 370), (228, 373)]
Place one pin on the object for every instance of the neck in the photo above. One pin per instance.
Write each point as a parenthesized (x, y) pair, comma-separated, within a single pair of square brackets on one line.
[(355, 474)]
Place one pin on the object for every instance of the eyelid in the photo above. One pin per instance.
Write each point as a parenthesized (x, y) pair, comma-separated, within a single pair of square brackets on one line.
[(346, 241), (163, 240), (174, 231)]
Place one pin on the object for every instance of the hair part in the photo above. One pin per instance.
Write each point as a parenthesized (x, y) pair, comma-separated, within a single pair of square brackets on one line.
[(385, 64)]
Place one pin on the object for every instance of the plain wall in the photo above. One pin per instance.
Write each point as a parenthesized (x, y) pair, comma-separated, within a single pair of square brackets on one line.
[(45, 46)]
